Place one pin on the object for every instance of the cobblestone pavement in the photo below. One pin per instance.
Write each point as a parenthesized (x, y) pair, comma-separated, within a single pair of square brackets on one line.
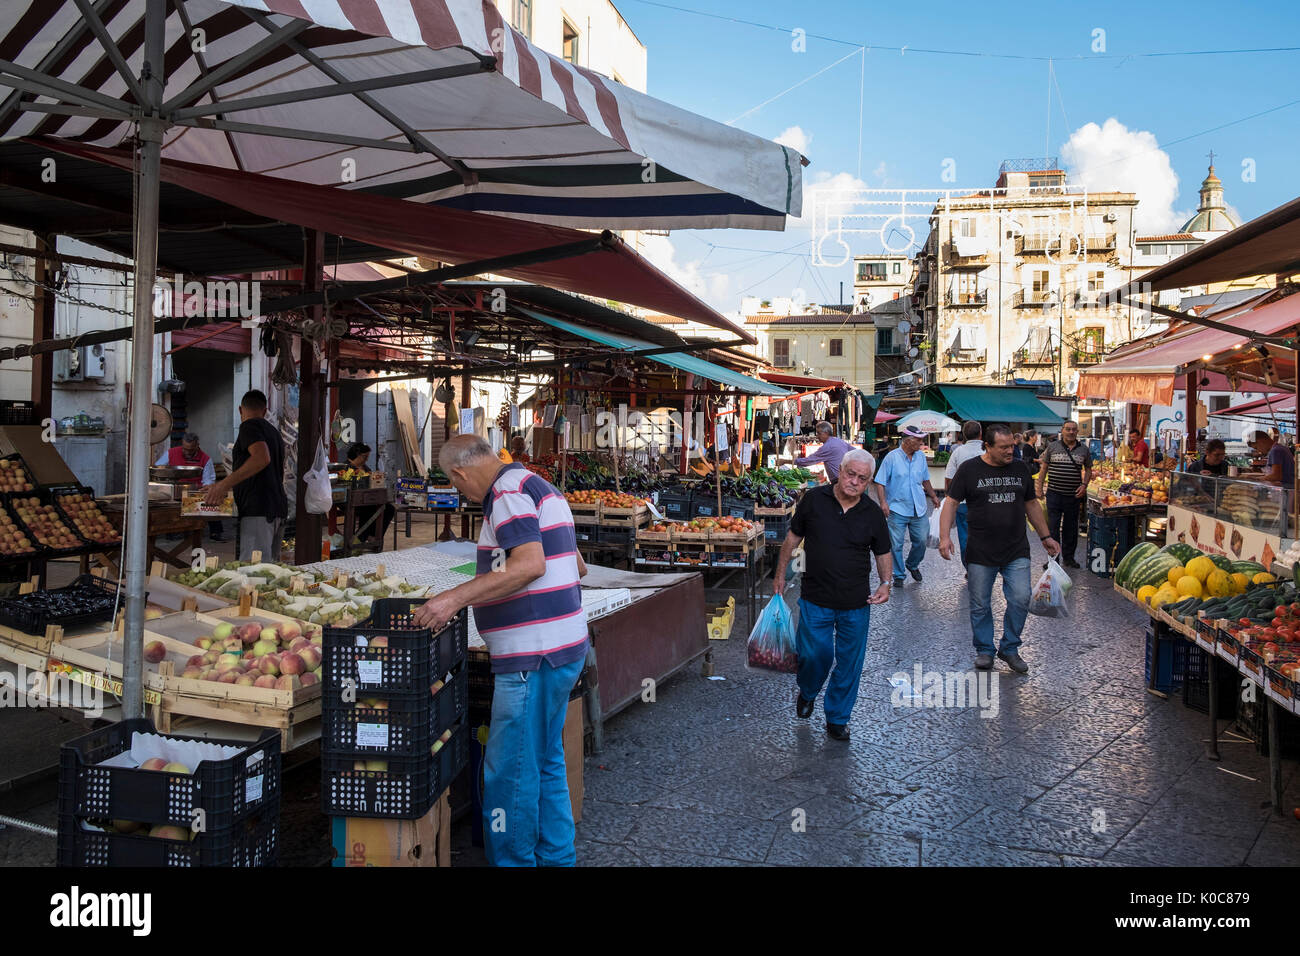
[(1080, 766)]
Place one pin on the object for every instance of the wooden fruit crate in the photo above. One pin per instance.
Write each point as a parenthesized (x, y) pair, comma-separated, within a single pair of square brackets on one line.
[(774, 512), (624, 517), (654, 555), (689, 555), (654, 537), (690, 537), (592, 511)]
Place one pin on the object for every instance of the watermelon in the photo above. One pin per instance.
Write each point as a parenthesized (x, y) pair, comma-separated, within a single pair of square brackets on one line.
[(1220, 562), (1130, 560), (1183, 552), (1152, 570), (1248, 568)]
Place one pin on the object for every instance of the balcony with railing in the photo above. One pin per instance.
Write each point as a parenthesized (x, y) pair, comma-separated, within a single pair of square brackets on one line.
[(1080, 357), (1043, 243), (1100, 241), (1032, 298), (966, 356), (873, 277), (968, 299), (1036, 357), (955, 258)]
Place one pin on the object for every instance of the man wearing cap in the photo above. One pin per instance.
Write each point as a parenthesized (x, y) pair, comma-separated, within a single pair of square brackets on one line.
[(188, 455), (829, 454), (904, 478)]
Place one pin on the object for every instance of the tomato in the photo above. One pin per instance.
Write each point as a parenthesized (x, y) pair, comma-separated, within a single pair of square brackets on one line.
[(1268, 634), (1295, 609), (1245, 620), (1285, 635)]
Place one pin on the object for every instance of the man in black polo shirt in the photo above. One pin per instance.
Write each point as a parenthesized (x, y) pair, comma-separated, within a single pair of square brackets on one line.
[(841, 528)]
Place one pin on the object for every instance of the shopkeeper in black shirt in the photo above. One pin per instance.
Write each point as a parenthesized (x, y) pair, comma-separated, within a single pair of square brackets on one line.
[(840, 527), (1214, 461), (257, 481)]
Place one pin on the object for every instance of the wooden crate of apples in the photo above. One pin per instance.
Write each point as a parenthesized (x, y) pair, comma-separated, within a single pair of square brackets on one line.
[(273, 655), (43, 523)]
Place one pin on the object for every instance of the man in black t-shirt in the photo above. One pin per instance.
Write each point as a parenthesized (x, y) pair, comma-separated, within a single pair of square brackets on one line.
[(999, 496), (257, 481), (841, 528)]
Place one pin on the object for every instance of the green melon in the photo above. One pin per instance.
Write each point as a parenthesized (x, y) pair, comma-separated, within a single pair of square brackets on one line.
[(1153, 570), (1130, 561), (1248, 568), (1183, 552), (1220, 562)]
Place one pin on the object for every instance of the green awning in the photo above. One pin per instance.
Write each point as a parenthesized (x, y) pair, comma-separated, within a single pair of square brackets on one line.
[(678, 360), (990, 404)]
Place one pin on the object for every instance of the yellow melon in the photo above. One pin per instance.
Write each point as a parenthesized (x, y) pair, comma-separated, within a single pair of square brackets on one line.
[(1218, 584), (1239, 582), (1263, 578), (1175, 573), (1200, 568), (1188, 586), (1146, 593)]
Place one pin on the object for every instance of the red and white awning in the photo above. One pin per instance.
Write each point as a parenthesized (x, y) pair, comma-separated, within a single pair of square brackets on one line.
[(501, 126)]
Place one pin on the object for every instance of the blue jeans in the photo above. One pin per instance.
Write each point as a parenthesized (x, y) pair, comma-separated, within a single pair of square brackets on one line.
[(918, 529), (827, 635), (961, 530), (527, 817), (1015, 588)]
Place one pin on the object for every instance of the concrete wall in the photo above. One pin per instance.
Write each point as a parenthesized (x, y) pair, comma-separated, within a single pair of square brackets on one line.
[(606, 43)]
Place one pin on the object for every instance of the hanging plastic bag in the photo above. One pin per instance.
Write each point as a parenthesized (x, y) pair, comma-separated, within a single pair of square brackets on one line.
[(772, 641), (319, 498), (1049, 595), (932, 540)]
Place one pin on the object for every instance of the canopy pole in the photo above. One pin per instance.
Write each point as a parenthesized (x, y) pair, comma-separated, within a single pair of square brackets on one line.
[(1192, 382), (307, 526), (142, 336)]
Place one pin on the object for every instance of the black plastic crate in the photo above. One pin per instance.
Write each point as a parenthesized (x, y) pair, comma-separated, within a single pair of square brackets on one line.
[(1110, 538), (62, 491), (251, 842), (1196, 683), (704, 504), (733, 507), (585, 529), (412, 661), (775, 528), (45, 497), (405, 790), (33, 613), (675, 505), (227, 791), (1252, 721), (406, 727), (16, 412)]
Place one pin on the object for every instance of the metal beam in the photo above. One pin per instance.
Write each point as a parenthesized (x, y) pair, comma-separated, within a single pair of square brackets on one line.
[(61, 109), (467, 175), (53, 86), (91, 16), (1207, 323), (66, 42), (285, 132), (325, 92), (235, 64)]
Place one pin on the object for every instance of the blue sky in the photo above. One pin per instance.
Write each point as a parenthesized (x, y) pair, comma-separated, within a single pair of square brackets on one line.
[(924, 108)]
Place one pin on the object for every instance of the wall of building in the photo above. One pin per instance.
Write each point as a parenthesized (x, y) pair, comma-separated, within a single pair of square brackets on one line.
[(810, 347), (606, 43)]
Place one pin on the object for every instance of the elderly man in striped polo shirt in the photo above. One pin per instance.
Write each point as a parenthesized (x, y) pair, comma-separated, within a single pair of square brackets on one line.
[(527, 604)]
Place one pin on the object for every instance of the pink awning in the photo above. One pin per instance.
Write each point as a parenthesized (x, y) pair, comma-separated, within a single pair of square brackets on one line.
[(1147, 374)]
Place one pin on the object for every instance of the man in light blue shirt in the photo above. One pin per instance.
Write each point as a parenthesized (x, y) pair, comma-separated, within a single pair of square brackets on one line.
[(904, 476)]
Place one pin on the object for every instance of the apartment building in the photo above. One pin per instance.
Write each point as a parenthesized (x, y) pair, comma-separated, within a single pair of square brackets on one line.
[(822, 341), (881, 279), (1009, 278)]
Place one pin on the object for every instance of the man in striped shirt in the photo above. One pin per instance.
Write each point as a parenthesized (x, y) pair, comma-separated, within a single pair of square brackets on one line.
[(527, 604), (1066, 472)]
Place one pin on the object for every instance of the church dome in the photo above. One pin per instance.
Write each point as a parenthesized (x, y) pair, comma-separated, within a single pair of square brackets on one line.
[(1212, 215)]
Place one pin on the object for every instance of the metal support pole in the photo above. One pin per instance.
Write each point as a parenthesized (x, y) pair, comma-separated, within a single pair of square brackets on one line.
[(1212, 662), (311, 393), (138, 458), (1274, 757)]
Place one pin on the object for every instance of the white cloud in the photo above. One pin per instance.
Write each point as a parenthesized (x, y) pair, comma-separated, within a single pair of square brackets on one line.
[(796, 139), (712, 287), (1114, 157), (879, 173)]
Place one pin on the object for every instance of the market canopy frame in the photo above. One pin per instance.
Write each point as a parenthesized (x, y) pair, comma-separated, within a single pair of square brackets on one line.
[(1010, 404)]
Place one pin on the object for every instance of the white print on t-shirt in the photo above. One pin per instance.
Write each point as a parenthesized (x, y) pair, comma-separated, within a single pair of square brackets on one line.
[(999, 481), (1002, 497)]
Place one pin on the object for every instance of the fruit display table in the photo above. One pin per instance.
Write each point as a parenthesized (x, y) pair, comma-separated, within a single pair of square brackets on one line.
[(164, 518)]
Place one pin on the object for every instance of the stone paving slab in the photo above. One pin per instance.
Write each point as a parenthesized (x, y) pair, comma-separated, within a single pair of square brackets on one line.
[(712, 772)]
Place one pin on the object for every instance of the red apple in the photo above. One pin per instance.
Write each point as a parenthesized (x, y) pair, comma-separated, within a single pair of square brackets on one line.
[(154, 652)]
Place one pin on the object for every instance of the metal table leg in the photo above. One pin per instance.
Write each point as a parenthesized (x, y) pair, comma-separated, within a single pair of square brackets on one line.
[(1214, 707), (594, 715), (1274, 758)]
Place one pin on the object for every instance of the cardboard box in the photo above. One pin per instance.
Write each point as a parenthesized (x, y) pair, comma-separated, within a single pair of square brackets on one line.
[(398, 843), (573, 756), (192, 506)]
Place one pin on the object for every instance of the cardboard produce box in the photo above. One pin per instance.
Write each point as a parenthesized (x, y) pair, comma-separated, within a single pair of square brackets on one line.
[(404, 843), (192, 505)]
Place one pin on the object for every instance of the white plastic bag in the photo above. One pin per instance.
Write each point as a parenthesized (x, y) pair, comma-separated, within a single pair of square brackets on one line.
[(1049, 595), (319, 497), (932, 540)]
